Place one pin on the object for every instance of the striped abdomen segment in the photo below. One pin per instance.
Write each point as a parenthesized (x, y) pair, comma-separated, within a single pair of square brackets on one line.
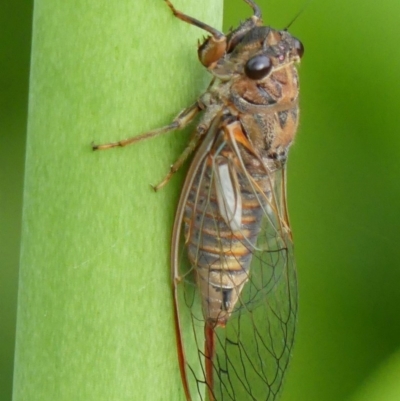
[(221, 254)]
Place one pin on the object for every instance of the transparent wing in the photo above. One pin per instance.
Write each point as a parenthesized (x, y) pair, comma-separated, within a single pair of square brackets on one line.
[(244, 354)]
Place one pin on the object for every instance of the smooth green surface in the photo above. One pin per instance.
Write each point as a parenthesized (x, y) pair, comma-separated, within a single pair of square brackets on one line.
[(94, 309), (383, 384), (15, 34), (343, 187)]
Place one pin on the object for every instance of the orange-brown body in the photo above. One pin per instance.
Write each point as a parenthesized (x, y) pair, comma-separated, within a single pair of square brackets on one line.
[(262, 116)]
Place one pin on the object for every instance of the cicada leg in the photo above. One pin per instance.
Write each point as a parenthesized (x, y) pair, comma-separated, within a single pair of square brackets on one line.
[(184, 118), (213, 48), (181, 159), (193, 21)]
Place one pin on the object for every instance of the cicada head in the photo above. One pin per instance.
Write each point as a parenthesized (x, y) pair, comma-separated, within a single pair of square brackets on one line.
[(257, 52)]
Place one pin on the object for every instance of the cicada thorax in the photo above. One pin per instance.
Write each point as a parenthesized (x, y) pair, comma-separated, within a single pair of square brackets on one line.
[(257, 82)]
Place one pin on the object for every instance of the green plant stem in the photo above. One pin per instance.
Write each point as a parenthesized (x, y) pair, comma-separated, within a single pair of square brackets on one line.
[(94, 309)]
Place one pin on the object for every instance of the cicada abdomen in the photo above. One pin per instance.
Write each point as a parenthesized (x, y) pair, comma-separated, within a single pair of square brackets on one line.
[(239, 247), (233, 273), (223, 217)]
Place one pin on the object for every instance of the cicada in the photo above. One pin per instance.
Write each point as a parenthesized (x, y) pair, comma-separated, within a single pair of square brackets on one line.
[(233, 273)]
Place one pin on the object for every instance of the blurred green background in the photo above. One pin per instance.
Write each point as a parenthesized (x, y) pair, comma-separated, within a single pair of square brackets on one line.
[(344, 192)]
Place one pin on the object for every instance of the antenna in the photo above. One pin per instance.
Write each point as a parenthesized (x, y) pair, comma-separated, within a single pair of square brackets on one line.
[(302, 9)]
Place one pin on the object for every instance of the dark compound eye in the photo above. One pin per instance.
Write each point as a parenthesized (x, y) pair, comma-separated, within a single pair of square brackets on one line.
[(298, 46), (258, 67)]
